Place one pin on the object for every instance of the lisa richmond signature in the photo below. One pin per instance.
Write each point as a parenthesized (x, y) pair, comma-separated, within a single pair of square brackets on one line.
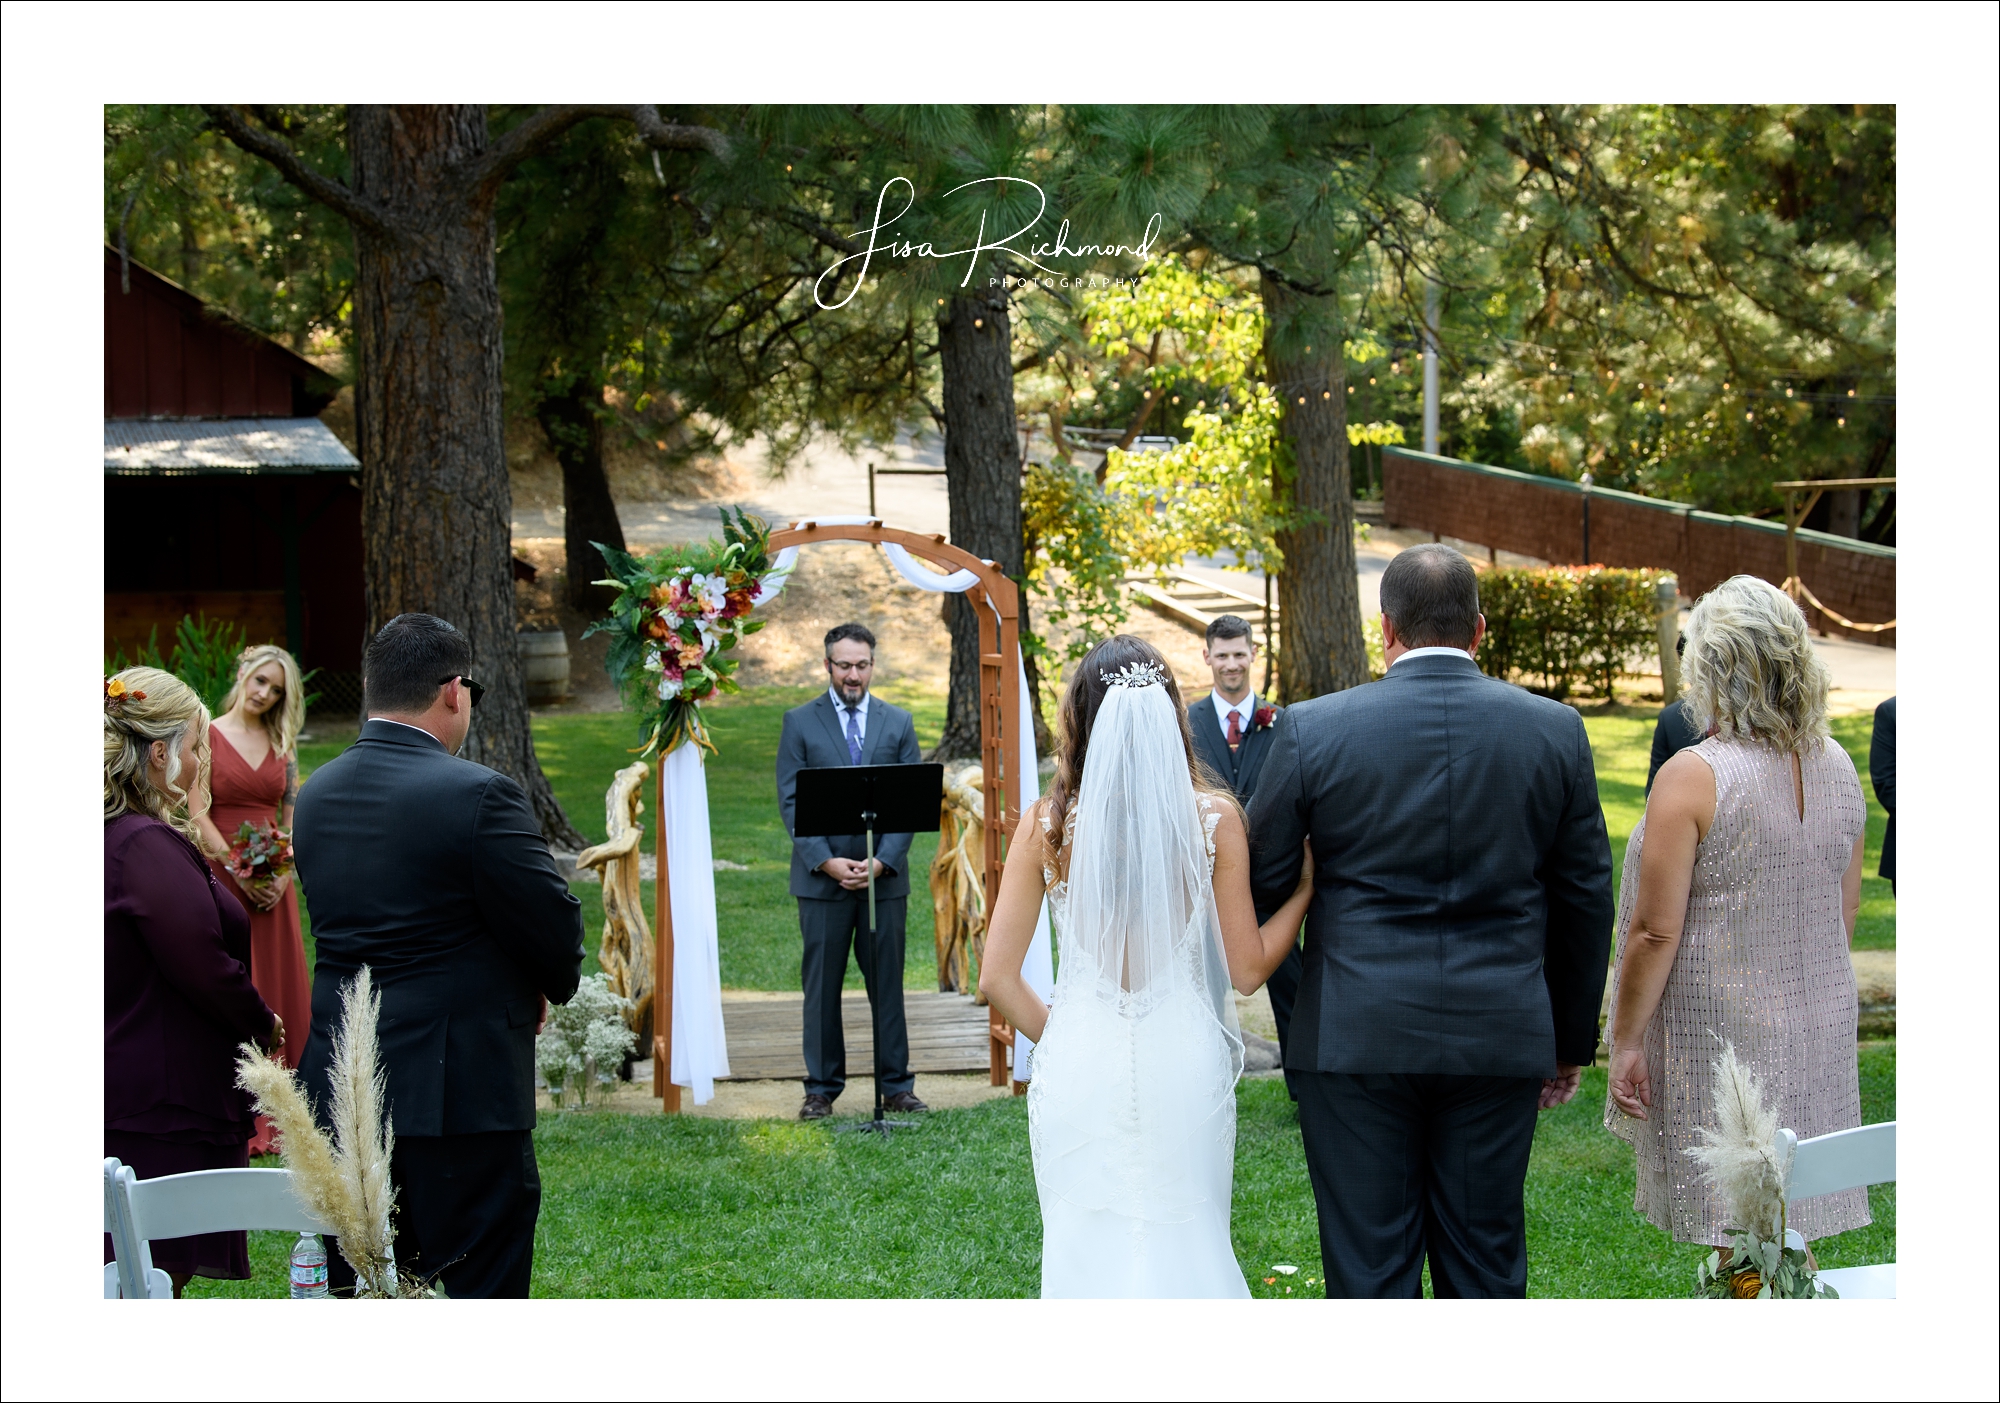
[(906, 248)]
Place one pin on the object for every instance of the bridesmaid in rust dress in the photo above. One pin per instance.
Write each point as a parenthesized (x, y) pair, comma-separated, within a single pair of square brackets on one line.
[(255, 779)]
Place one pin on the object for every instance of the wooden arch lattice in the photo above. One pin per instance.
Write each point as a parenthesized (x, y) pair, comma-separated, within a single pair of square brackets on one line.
[(996, 600)]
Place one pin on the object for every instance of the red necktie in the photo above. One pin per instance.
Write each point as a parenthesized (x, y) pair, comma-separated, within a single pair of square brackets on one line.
[(1235, 729)]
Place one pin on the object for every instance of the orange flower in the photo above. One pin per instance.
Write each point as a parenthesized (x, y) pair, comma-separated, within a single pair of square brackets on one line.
[(1745, 1285)]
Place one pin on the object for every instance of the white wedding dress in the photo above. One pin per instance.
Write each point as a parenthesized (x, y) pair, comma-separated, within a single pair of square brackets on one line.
[(1132, 1107)]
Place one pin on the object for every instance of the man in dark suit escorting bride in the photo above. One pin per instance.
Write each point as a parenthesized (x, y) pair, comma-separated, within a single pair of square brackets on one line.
[(1455, 947)]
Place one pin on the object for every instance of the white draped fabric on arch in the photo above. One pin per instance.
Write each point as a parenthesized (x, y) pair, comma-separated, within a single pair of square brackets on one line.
[(700, 1055)]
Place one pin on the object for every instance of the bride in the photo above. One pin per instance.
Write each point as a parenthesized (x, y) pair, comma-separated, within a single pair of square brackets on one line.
[(1132, 1109)]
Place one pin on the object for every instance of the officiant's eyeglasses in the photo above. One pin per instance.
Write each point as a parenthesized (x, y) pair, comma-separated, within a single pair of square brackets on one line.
[(475, 689)]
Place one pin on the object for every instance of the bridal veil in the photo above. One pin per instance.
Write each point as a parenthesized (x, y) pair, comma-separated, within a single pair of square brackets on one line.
[(1133, 1109)]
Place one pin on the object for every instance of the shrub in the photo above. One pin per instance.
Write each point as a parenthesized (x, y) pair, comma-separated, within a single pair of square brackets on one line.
[(1568, 625), (204, 656)]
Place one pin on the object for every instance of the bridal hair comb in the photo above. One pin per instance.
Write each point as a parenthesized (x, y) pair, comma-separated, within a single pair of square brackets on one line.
[(1139, 674)]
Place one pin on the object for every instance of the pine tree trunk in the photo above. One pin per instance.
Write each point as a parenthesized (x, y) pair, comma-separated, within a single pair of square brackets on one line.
[(1320, 646), (982, 460), (574, 427), (435, 500)]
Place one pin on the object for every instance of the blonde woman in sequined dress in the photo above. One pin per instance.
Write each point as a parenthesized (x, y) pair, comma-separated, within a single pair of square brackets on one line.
[(1736, 912)]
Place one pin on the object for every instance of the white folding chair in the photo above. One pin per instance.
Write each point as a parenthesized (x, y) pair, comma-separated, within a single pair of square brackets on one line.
[(181, 1205), (1828, 1164)]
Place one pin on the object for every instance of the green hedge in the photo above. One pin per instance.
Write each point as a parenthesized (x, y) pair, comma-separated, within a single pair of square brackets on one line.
[(1567, 626)]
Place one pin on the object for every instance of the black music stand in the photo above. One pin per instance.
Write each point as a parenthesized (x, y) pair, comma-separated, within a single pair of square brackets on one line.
[(839, 801)]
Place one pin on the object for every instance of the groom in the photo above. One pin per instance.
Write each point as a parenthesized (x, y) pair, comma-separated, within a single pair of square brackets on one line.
[(1455, 947)]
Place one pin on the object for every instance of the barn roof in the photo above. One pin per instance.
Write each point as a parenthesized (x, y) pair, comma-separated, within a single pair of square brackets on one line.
[(222, 447)]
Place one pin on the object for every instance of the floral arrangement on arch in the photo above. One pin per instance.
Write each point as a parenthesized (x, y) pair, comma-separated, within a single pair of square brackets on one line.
[(679, 611)]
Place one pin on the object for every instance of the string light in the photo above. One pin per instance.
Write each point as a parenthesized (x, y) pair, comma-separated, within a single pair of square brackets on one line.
[(1841, 422), (1326, 394)]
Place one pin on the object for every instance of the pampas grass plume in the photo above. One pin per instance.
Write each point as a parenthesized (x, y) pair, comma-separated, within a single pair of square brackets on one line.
[(1740, 1156), (316, 1176), (364, 1141), (343, 1179)]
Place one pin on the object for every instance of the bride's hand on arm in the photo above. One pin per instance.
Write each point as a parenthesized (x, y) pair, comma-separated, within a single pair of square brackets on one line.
[(1253, 951), (1011, 928)]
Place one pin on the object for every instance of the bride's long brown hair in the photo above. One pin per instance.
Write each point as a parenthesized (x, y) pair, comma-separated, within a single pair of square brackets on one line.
[(1078, 713)]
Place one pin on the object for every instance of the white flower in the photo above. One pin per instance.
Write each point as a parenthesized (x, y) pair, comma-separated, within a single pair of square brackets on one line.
[(670, 687), (652, 660), (710, 591)]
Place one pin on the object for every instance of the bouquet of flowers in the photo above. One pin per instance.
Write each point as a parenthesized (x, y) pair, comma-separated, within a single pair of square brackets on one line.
[(260, 854), (678, 612)]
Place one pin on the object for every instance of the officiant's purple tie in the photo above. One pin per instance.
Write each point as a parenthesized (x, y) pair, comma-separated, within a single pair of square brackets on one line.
[(853, 736)]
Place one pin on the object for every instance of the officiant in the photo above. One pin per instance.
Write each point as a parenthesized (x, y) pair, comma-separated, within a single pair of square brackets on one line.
[(846, 725), (1232, 735)]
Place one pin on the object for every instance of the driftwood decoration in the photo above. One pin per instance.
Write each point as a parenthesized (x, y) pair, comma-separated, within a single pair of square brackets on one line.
[(958, 893), (626, 953)]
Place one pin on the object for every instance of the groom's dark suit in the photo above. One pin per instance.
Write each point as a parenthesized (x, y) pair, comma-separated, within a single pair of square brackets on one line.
[(1455, 952), (432, 871), (1239, 769)]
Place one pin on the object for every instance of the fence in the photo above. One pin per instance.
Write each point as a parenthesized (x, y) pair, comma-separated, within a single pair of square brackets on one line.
[(1553, 519)]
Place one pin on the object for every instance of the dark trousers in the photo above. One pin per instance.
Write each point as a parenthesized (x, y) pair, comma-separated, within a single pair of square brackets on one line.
[(829, 929), (465, 1214), (1283, 987), (1409, 1166)]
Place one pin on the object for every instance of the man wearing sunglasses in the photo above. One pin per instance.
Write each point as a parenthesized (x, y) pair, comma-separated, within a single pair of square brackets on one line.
[(431, 870)]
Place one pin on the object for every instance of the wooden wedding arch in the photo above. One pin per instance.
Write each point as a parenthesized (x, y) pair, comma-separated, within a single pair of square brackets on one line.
[(1000, 722)]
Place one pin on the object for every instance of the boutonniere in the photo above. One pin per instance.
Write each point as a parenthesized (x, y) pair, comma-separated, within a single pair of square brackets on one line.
[(1263, 718)]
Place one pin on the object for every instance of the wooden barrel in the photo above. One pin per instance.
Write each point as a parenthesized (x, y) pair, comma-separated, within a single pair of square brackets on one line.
[(545, 666)]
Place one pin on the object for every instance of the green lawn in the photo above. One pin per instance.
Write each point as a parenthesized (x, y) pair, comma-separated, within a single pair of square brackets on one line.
[(676, 1206)]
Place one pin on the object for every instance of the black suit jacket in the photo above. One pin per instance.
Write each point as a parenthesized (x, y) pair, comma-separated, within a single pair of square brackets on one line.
[(432, 871), (1882, 774), (812, 737), (1461, 912), (1672, 734), (1239, 770)]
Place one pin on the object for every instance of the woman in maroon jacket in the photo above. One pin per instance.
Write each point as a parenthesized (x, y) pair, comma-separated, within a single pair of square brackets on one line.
[(177, 993)]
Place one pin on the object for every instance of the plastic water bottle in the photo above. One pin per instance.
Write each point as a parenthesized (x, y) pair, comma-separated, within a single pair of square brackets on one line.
[(309, 1268)]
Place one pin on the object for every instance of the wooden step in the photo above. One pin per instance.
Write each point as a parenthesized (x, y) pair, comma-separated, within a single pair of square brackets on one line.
[(766, 1036)]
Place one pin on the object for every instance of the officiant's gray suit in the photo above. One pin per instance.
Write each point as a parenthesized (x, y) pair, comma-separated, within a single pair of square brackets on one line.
[(833, 919)]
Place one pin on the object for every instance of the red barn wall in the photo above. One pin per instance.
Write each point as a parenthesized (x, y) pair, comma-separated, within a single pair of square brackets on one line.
[(1543, 516), (165, 356)]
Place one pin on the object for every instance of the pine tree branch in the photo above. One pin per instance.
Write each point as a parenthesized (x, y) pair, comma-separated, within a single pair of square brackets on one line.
[(549, 123), (340, 198)]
